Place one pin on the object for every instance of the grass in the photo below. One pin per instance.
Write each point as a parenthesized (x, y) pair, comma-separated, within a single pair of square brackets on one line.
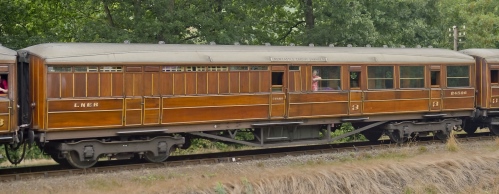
[(452, 143), (414, 169)]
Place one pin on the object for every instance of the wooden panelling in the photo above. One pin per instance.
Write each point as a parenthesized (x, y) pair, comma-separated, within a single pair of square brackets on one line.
[(67, 85), (151, 116), (179, 84), (53, 88), (213, 82), (244, 82), (133, 103), (151, 103), (166, 83), (458, 103), (356, 96), (92, 85), (436, 93), (70, 120), (150, 83), (133, 117), (4, 68), (277, 111), (4, 122), (355, 108), (200, 101), (318, 109), (264, 81), (401, 94), (190, 83), (495, 91), (117, 84), (202, 82), (133, 111), (394, 106), (468, 92), (223, 83), (80, 88), (254, 81), (317, 97), (190, 115), (234, 82), (138, 84), (105, 84), (85, 105), (4, 105), (151, 68), (151, 110)]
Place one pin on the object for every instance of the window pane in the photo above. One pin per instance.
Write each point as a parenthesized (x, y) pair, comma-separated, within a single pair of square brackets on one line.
[(294, 68), (172, 68), (259, 68), (326, 78), (86, 69), (239, 68), (195, 68), (411, 77), (111, 69), (380, 77), (458, 76), (59, 69)]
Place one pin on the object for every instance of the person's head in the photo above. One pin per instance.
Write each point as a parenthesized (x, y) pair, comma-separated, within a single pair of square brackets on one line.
[(314, 72)]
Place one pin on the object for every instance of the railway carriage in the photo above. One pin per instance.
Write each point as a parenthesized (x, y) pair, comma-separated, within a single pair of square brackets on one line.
[(126, 100), (8, 100), (487, 90)]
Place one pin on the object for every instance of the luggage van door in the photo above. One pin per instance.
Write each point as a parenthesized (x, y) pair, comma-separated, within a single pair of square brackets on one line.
[(134, 95)]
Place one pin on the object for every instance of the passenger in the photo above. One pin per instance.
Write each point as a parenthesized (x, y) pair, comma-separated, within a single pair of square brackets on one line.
[(4, 85), (315, 80)]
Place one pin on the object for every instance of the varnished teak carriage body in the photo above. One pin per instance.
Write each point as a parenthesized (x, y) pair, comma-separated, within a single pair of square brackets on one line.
[(90, 91)]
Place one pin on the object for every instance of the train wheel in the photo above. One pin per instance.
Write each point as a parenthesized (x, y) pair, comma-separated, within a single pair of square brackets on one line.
[(149, 156), (373, 135), (470, 127), (56, 158), (441, 135), (74, 160), (395, 137), (494, 129)]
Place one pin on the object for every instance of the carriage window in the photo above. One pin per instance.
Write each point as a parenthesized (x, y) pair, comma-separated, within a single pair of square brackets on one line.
[(86, 69), (111, 69), (195, 68), (259, 68), (380, 77), (59, 69), (435, 78), (294, 68), (239, 68), (411, 77), (217, 68), (172, 68), (326, 78), (494, 76), (458, 76), (4, 85), (355, 79)]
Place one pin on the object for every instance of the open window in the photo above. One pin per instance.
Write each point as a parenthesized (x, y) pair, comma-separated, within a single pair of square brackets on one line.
[(326, 78), (494, 77), (277, 80)]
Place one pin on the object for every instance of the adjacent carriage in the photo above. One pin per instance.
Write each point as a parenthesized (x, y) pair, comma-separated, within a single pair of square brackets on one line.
[(87, 100)]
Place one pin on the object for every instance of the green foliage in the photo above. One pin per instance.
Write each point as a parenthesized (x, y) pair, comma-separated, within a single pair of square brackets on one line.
[(32, 153), (345, 128), (279, 22)]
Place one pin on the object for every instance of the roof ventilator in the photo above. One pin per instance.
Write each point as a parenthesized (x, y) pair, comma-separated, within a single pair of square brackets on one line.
[(368, 46), (126, 41), (291, 44), (349, 45), (385, 46), (402, 46), (430, 46), (331, 45), (213, 43), (267, 44), (161, 42), (418, 46), (236, 43), (311, 45)]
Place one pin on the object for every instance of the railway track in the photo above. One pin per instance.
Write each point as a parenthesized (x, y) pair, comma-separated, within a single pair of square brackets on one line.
[(35, 172)]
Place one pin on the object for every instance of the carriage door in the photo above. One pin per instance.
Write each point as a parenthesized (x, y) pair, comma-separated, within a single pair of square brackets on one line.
[(356, 95), (133, 96), (278, 93), (436, 88), (5, 102)]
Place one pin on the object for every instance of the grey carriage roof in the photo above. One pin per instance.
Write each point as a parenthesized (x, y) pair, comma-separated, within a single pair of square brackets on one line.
[(491, 55), (7, 55), (60, 53)]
